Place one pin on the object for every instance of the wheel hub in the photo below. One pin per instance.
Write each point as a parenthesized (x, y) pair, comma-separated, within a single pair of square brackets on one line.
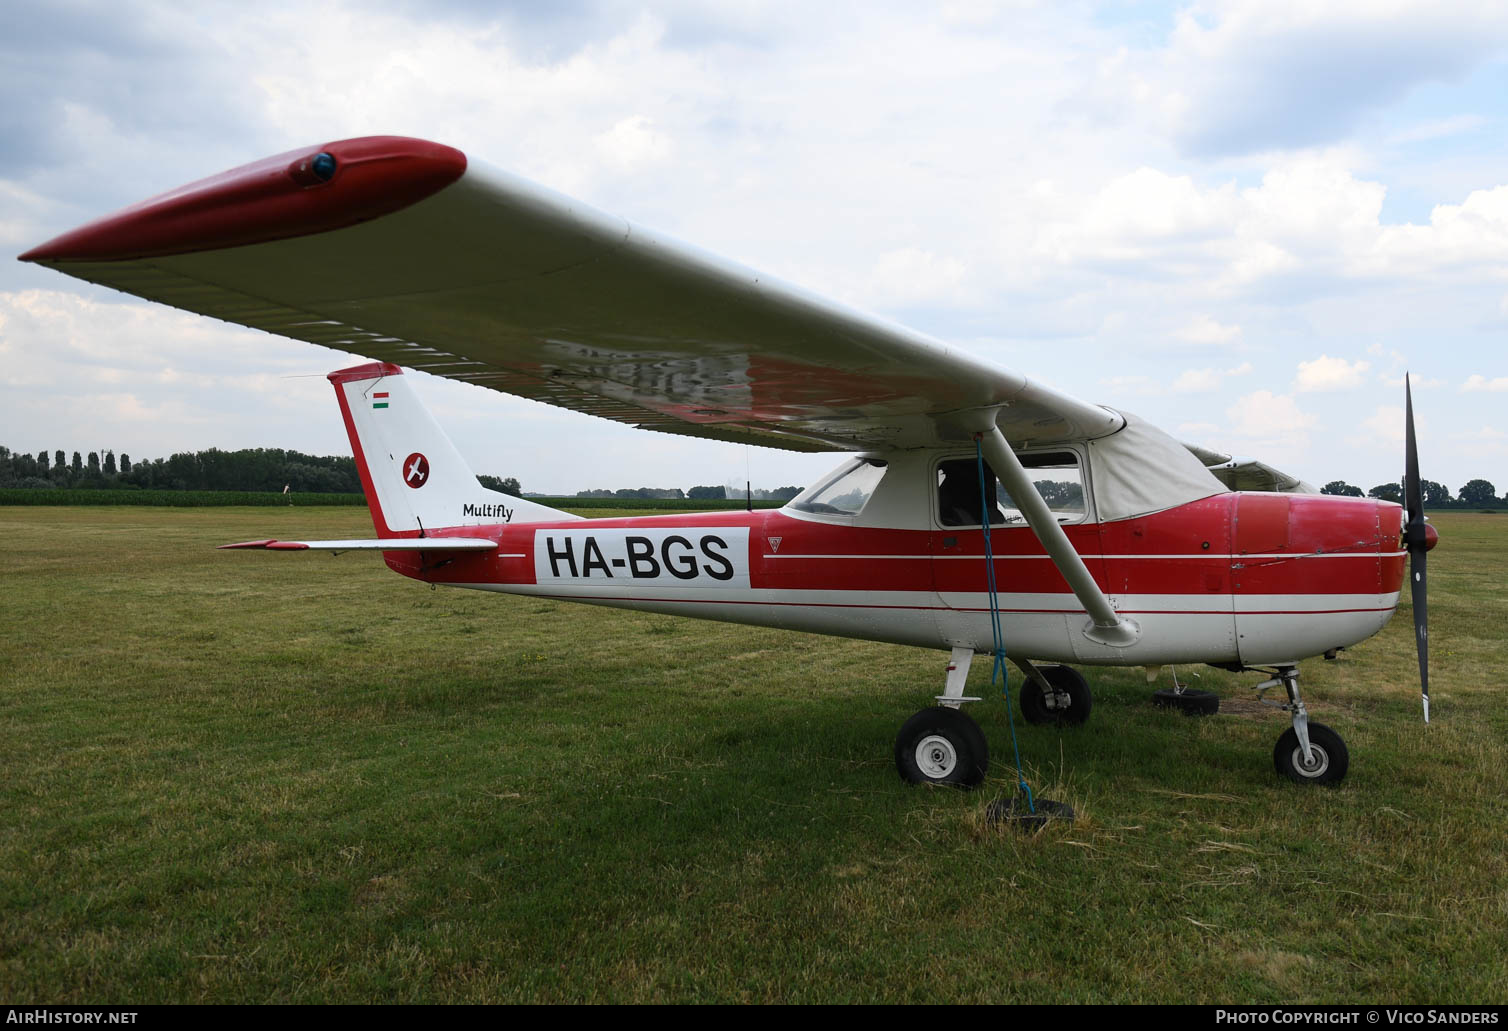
[(1316, 768), (936, 757)]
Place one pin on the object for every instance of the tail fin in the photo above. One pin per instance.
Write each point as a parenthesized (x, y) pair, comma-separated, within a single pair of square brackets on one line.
[(414, 478)]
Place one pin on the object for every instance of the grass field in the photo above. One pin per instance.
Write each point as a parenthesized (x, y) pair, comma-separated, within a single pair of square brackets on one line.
[(253, 777)]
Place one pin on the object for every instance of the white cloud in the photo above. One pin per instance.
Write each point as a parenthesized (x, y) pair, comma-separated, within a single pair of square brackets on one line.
[(1142, 386), (1263, 417), (634, 142), (1205, 330), (1146, 214), (1483, 442), (1438, 129), (19, 224), (1385, 424), (1247, 75), (1326, 373), (1478, 382), (1206, 380), (1473, 233), (76, 369), (910, 275), (1416, 381), (1310, 215)]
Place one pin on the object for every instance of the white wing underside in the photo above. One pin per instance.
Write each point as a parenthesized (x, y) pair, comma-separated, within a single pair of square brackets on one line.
[(496, 281), (1248, 473), (499, 282)]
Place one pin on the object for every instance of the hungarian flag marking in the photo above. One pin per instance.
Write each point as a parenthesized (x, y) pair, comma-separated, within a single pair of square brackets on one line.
[(379, 400)]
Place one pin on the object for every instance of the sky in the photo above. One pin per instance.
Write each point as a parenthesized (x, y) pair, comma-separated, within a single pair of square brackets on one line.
[(1241, 220)]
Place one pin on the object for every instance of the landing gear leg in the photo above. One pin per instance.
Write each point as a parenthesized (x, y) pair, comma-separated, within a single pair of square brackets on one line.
[(1053, 694), (1308, 753), (941, 745), (958, 675)]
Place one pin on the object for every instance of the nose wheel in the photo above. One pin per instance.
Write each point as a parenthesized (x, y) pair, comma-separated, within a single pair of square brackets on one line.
[(1327, 759), (1307, 753)]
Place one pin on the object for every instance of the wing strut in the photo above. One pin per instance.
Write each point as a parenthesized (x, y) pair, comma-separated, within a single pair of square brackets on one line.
[(1108, 627)]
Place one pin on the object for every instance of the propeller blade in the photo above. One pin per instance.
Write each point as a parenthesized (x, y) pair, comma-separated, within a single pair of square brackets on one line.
[(1416, 539), (1417, 588), (1413, 494)]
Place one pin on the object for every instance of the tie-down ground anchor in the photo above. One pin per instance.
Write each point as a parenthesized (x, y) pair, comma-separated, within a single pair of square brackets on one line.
[(1029, 815)]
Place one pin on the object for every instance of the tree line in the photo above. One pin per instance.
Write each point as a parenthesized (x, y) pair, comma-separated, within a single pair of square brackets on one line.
[(252, 469), (1473, 494), (273, 469), (261, 469)]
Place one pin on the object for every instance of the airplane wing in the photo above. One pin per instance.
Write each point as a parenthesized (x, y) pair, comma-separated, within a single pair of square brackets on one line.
[(406, 251), (1248, 473), (387, 544)]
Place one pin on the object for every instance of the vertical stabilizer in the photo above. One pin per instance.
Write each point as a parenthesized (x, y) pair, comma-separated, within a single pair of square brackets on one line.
[(414, 478)]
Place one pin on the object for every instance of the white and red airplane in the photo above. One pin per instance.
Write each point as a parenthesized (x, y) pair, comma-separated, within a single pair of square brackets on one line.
[(1112, 543)]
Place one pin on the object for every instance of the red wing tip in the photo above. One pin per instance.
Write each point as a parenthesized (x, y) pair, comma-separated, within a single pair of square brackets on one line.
[(273, 199), (247, 544), (369, 370)]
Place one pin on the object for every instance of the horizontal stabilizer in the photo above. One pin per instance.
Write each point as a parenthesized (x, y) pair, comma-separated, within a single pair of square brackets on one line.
[(390, 544)]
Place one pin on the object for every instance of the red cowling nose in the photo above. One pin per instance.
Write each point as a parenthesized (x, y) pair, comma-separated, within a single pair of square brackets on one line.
[(1431, 537)]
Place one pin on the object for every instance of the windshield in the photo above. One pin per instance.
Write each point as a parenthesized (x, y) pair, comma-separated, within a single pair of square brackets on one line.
[(845, 492)]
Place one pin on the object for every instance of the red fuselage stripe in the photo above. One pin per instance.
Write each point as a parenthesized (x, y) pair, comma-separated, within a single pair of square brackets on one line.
[(1329, 547), (654, 600)]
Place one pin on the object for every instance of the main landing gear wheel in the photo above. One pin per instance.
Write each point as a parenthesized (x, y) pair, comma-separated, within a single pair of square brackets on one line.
[(1330, 758), (942, 746), (1067, 705), (1188, 701)]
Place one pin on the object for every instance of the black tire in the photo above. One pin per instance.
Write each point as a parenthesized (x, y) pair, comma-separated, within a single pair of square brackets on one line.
[(1330, 755), (1190, 702), (942, 746), (1069, 686)]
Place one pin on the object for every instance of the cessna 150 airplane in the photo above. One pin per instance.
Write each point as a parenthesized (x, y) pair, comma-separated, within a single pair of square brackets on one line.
[(1112, 543)]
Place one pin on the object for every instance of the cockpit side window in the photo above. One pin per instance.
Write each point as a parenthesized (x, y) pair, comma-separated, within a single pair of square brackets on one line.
[(958, 498), (1057, 475), (845, 492)]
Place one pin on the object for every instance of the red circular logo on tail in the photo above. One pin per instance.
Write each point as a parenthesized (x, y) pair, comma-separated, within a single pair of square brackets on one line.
[(416, 470)]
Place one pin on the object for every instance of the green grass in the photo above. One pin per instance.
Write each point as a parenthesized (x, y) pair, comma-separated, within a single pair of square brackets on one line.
[(252, 777), (171, 498)]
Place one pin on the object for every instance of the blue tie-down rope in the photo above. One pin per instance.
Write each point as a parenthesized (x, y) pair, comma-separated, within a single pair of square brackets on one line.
[(986, 505)]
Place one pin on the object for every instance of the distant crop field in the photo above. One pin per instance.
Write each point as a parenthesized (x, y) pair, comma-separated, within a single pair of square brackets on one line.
[(296, 778)]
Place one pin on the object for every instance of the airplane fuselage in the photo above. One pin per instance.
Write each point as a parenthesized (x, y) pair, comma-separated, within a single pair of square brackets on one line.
[(1251, 578)]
